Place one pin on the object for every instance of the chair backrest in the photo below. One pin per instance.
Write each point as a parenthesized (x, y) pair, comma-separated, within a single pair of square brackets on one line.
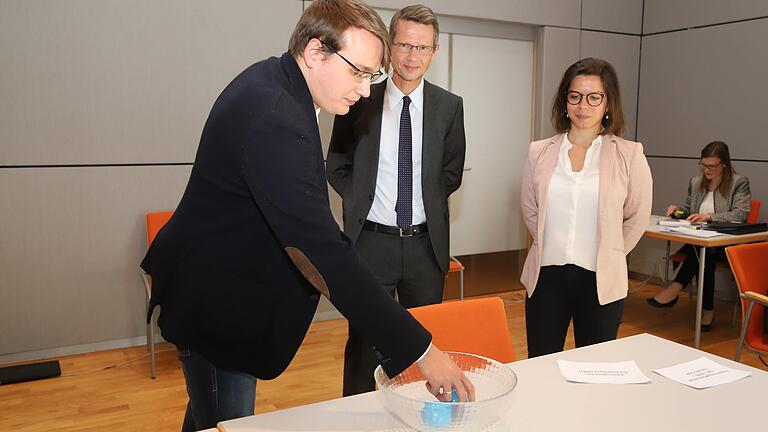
[(754, 211), (155, 221), (477, 326), (748, 265)]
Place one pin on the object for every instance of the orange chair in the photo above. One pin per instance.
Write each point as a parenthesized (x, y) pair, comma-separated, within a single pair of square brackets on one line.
[(477, 326), (748, 265), (754, 211), (155, 221), (455, 265)]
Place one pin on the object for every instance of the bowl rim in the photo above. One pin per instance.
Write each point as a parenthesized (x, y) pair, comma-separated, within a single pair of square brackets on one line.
[(399, 395)]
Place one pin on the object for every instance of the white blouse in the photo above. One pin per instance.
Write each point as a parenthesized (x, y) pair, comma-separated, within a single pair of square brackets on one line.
[(708, 204), (570, 225)]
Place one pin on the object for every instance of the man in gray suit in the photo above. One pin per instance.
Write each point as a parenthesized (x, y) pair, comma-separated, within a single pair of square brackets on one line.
[(395, 159)]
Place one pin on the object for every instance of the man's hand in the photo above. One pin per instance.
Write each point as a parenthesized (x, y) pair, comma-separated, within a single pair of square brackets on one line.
[(443, 375)]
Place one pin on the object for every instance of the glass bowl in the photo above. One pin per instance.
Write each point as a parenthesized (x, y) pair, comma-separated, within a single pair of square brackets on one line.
[(407, 399)]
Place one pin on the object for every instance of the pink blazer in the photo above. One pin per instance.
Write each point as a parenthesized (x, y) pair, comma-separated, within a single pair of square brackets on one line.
[(624, 200)]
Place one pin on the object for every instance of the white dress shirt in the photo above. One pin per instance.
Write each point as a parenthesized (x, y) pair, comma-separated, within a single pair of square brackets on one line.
[(385, 197), (570, 226), (708, 204)]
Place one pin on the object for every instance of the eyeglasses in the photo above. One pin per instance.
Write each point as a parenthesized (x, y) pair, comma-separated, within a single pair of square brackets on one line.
[(710, 167), (593, 99), (359, 75), (406, 48)]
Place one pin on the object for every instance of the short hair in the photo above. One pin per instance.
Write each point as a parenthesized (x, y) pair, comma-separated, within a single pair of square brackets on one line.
[(614, 124), (418, 14), (719, 150), (327, 20)]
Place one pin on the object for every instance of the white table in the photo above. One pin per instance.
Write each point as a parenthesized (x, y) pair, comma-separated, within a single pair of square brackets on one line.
[(654, 231), (544, 401)]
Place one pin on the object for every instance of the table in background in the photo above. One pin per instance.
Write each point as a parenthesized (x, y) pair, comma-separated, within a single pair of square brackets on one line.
[(654, 231), (544, 401)]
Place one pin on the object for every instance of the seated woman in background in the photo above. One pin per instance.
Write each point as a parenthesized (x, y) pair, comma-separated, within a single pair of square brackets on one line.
[(718, 195)]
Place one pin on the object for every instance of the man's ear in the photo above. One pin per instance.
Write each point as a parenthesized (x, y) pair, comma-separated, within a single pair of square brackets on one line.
[(314, 53)]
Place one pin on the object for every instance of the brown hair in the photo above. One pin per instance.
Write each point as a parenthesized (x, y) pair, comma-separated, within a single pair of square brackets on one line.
[(327, 20), (418, 14), (614, 124), (719, 150)]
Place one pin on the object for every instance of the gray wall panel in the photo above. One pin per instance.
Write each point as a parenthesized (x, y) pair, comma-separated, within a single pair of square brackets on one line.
[(706, 84), (563, 13), (72, 241), (623, 52), (664, 15), (623, 16), (556, 49), (93, 81)]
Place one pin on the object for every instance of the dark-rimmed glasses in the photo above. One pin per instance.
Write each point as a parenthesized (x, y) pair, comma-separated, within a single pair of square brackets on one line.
[(406, 48), (359, 75), (593, 99), (708, 166)]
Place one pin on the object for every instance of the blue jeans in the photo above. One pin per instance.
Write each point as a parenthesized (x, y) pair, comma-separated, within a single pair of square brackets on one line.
[(215, 394)]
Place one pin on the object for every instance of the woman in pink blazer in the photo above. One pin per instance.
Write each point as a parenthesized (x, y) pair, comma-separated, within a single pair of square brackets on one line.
[(586, 200)]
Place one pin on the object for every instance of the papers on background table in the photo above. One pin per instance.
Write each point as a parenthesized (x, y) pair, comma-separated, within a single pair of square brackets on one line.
[(690, 231), (602, 373), (674, 222), (702, 373)]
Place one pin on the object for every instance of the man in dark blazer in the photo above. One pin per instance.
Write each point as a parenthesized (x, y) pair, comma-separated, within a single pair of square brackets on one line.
[(395, 159), (239, 268)]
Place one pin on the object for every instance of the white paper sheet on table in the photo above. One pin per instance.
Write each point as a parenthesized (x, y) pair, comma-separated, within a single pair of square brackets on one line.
[(691, 232), (702, 373), (602, 373), (674, 222)]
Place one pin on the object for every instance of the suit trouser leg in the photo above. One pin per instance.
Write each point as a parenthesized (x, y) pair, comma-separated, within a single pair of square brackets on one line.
[(592, 322), (548, 312), (423, 281), (382, 253)]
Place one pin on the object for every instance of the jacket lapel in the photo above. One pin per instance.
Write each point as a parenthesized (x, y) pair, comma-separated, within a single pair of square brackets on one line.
[(368, 129), (607, 158), (431, 147), (546, 167)]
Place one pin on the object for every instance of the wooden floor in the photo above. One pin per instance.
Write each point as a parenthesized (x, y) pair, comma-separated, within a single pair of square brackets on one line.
[(125, 398)]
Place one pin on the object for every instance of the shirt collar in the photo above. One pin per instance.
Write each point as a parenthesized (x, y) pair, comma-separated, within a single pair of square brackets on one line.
[(595, 144), (393, 97)]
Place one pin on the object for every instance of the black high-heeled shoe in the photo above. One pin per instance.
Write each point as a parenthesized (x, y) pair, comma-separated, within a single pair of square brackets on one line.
[(657, 304), (708, 327)]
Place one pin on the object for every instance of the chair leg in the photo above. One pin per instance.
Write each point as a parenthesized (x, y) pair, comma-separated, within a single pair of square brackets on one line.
[(151, 343), (461, 284), (744, 325)]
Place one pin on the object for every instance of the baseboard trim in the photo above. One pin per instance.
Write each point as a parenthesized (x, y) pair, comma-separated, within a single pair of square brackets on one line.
[(75, 349)]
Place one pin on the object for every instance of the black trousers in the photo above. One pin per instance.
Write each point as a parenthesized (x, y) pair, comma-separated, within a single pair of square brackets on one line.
[(690, 268), (563, 293), (405, 265)]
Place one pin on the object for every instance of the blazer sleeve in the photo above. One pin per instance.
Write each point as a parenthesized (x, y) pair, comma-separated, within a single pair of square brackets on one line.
[(741, 203), (284, 174), (341, 153), (637, 205), (528, 203), (455, 149)]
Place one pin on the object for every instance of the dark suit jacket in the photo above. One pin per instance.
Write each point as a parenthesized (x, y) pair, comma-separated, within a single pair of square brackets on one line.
[(354, 155), (238, 269)]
